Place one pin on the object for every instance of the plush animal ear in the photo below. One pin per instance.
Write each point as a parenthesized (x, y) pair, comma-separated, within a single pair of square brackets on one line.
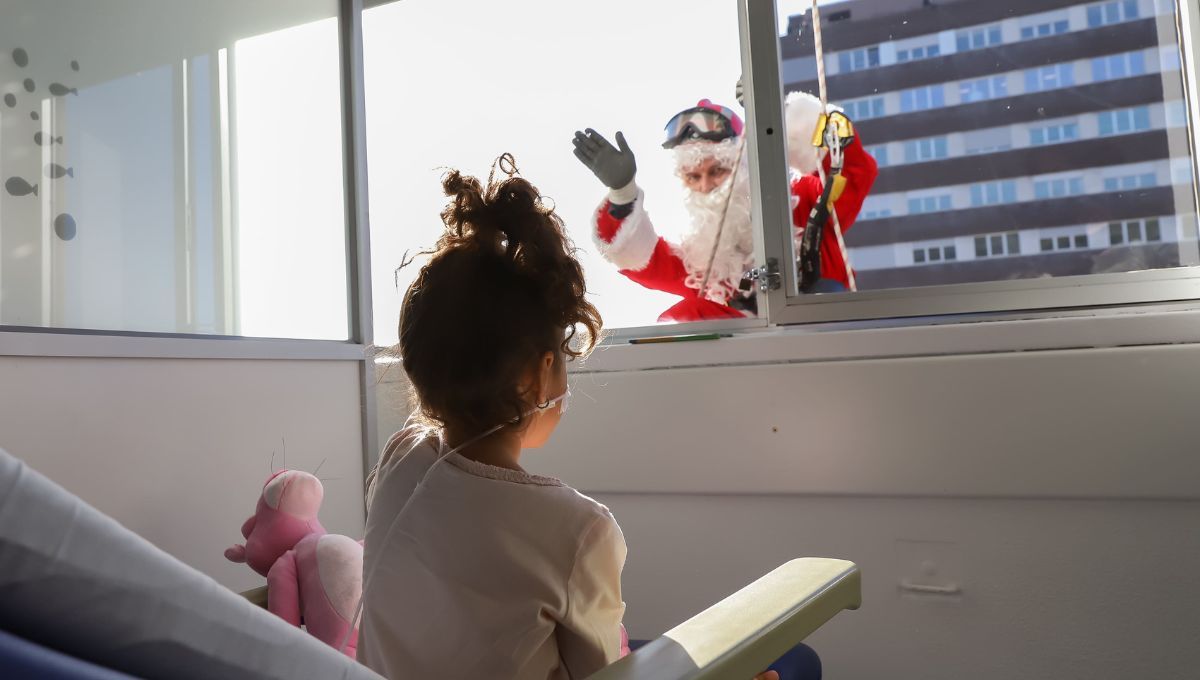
[(301, 495), (236, 553)]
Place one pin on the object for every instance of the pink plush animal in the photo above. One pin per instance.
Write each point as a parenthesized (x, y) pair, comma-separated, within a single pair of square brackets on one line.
[(311, 575)]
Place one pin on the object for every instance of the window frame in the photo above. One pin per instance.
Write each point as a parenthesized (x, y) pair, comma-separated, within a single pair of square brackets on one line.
[(785, 306)]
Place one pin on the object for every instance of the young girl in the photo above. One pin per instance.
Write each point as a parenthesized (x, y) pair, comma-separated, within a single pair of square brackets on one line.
[(473, 567), (490, 572)]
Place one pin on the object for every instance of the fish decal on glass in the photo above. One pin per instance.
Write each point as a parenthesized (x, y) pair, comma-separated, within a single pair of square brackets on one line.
[(58, 90), (45, 140), (10, 99), (19, 187), (34, 115), (29, 85), (54, 171), (74, 65), (20, 57), (64, 226)]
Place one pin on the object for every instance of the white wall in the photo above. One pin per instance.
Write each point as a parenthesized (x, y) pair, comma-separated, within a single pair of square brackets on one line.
[(1059, 489), (178, 449)]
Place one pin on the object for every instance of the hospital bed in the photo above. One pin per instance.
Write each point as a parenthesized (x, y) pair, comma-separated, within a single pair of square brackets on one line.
[(82, 597)]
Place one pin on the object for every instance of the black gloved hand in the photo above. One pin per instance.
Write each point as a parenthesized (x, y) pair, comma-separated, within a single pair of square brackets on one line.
[(614, 166)]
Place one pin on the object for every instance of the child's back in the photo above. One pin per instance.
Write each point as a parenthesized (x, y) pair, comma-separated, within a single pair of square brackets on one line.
[(491, 573), (473, 567)]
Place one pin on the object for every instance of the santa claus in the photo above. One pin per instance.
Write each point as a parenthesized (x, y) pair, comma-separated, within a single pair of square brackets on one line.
[(706, 266)]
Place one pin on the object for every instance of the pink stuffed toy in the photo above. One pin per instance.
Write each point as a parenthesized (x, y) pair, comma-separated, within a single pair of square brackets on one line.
[(311, 575)]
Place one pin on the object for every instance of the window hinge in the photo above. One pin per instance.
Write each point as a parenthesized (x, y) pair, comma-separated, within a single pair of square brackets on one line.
[(768, 277)]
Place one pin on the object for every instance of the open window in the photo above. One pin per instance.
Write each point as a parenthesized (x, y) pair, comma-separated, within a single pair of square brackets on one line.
[(444, 89)]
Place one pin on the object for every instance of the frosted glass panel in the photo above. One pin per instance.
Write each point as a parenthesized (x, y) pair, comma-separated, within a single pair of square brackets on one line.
[(172, 167)]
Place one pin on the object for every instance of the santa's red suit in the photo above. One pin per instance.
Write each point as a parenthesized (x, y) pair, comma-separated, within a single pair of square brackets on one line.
[(628, 239)]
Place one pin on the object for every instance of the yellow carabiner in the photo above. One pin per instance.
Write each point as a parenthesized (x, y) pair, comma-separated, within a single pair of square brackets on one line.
[(841, 124)]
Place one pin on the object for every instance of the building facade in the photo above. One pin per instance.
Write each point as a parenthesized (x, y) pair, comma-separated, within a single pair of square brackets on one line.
[(1015, 140)]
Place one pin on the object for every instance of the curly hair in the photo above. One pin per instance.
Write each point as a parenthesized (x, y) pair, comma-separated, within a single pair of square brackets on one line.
[(502, 287)]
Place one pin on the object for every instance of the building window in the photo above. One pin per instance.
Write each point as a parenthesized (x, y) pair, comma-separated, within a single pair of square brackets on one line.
[(857, 60), (988, 140), (915, 53), (928, 204), (1049, 244), (1118, 66), (1122, 121), (1129, 182), (1135, 231), (993, 193), (920, 150), (1050, 77), (939, 253), (1045, 29), (983, 89), (1114, 12), (978, 38), (998, 245), (880, 154), (1053, 134), (1057, 188), (922, 98), (863, 109), (875, 214)]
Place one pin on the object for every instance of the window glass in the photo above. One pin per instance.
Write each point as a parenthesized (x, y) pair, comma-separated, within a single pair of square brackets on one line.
[(152, 179), (1074, 161)]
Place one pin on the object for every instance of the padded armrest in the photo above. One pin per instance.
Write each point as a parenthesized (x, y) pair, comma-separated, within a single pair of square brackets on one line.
[(743, 634)]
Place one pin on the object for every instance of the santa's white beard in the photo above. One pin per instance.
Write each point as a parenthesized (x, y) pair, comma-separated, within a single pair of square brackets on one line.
[(735, 254)]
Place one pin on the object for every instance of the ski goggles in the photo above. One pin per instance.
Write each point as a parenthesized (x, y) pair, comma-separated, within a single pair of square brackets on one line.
[(700, 123)]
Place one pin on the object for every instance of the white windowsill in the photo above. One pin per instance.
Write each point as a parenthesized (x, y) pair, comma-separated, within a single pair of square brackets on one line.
[(101, 345), (906, 338)]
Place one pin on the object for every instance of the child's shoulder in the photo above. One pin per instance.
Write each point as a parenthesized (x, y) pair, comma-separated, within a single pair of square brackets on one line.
[(585, 510), (407, 441)]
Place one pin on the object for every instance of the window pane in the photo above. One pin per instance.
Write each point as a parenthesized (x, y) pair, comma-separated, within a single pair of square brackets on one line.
[(1064, 242), (1133, 230), (1047, 244), (1141, 118), (951, 253), (935, 254), (153, 178), (1116, 235), (1153, 232), (1035, 133), (919, 255)]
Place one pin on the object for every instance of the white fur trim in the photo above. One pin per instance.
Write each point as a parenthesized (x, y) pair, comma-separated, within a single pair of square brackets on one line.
[(625, 195), (634, 242), (801, 111)]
